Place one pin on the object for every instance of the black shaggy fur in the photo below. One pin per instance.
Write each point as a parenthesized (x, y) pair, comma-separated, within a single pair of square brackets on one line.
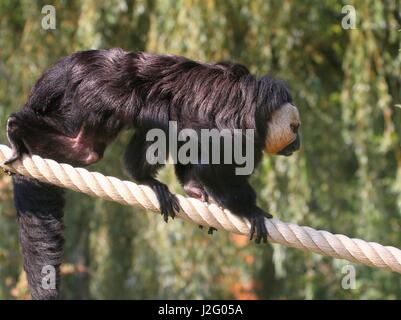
[(79, 106), (40, 212)]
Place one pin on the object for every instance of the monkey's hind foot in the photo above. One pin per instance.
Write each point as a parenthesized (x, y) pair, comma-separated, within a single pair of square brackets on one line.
[(258, 227), (168, 201)]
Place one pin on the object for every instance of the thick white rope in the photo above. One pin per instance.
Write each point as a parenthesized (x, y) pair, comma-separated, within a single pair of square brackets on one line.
[(129, 193)]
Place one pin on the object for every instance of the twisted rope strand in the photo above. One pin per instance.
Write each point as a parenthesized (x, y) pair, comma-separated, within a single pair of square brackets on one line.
[(129, 193)]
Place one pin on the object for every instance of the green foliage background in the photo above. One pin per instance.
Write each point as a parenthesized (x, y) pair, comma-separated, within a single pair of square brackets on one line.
[(346, 179)]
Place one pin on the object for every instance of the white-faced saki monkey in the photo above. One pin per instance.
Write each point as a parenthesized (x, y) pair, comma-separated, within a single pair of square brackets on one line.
[(79, 105)]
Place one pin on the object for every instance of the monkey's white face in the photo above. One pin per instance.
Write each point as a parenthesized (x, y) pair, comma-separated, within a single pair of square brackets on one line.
[(282, 131)]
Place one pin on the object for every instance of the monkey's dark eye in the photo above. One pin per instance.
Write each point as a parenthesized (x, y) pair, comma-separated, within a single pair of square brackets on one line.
[(294, 127)]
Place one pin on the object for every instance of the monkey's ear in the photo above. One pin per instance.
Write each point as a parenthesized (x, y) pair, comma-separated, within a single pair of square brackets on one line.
[(282, 128)]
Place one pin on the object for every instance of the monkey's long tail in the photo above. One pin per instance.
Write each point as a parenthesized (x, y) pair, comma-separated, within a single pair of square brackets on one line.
[(40, 216)]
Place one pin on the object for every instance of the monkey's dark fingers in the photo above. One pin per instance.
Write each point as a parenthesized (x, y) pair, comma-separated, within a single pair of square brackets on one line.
[(161, 198), (210, 230), (252, 232), (264, 232), (164, 203), (172, 203), (175, 202), (168, 202), (267, 215), (258, 228), (259, 231)]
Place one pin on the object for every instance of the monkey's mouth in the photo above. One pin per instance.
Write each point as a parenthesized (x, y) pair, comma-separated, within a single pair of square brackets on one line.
[(291, 148)]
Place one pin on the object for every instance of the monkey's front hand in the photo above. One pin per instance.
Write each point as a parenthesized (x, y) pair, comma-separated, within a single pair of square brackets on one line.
[(168, 201), (258, 226)]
